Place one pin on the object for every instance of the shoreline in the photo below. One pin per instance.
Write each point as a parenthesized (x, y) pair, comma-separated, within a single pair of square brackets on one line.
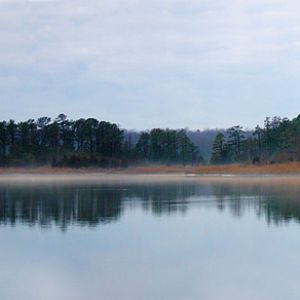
[(118, 178), (292, 168)]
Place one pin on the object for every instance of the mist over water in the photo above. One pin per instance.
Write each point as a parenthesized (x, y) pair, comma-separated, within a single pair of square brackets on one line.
[(149, 240)]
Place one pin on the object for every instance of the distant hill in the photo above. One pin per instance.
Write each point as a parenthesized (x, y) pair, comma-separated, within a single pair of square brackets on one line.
[(203, 139)]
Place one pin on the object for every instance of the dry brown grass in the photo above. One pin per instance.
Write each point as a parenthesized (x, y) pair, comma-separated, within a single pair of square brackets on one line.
[(284, 168), (130, 170), (156, 169)]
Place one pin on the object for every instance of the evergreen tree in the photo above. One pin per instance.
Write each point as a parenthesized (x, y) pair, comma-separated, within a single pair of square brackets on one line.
[(219, 150)]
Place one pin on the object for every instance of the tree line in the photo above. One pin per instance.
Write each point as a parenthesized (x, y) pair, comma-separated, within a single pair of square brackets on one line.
[(89, 142), (277, 141)]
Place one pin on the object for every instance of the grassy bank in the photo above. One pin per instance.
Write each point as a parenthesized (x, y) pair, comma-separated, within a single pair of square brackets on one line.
[(284, 168)]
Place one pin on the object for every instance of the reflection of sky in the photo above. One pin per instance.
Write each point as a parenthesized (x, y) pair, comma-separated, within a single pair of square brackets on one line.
[(202, 254), (131, 61)]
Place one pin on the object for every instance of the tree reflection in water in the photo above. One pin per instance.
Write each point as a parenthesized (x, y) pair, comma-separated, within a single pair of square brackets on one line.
[(65, 205)]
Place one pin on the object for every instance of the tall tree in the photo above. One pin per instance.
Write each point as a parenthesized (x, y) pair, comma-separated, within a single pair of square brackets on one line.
[(236, 140), (219, 150)]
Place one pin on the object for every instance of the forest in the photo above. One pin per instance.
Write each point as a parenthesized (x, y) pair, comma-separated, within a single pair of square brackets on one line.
[(277, 141), (89, 142)]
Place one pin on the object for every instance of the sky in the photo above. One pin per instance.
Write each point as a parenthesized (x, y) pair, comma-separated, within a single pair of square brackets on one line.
[(151, 63)]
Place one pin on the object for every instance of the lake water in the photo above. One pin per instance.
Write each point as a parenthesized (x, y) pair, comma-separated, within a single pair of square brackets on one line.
[(176, 240)]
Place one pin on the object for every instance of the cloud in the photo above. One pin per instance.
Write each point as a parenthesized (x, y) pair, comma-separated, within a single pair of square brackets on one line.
[(146, 44)]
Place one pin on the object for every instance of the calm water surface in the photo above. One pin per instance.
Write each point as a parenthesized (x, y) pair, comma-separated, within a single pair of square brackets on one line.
[(180, 240)]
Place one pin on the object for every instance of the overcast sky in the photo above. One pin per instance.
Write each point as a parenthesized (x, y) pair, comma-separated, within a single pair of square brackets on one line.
[(146, 63)]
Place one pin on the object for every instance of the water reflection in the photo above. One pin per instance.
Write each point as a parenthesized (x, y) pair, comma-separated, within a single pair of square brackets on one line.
[(276, 203), (91, 205)]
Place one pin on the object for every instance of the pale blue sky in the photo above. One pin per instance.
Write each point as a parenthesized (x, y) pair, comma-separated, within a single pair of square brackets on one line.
[(148, 63)]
